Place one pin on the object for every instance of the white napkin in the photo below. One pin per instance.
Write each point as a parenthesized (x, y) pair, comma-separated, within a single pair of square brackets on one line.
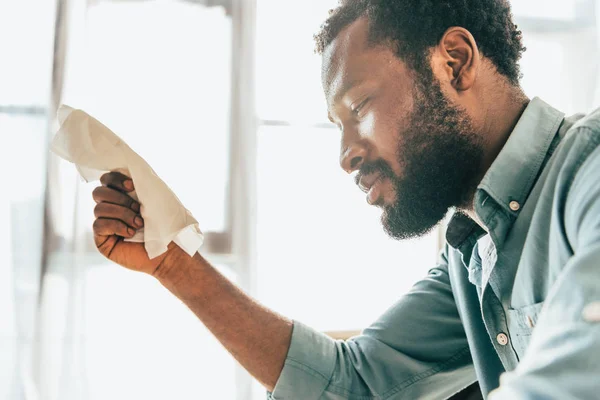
[(95, 149)]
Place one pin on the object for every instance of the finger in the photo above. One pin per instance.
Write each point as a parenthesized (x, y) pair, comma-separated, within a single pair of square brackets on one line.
[(117, 180), (114, 211), (108, 195), (108, 227)]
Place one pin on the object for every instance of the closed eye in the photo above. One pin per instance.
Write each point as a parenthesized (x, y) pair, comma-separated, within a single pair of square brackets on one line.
[(356, 110)]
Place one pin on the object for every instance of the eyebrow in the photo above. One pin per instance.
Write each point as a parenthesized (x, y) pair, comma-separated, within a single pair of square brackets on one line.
[(346, 88)]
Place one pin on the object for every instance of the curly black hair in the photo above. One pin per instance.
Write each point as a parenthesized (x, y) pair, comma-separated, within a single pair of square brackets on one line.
[(415, 26)]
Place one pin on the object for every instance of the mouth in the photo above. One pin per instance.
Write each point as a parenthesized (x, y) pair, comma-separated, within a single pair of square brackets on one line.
[(370, 184)]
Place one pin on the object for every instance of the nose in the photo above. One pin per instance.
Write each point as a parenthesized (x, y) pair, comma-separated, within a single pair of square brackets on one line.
[(352, 156)]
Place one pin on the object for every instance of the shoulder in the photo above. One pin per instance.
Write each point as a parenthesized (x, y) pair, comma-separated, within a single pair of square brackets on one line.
[(590, 121), (579, 138), (582, 151), (580, 177)]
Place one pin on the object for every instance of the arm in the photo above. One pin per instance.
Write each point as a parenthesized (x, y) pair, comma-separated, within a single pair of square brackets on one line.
[(410, 350), (562, 361), (418, 347), (257, 337)]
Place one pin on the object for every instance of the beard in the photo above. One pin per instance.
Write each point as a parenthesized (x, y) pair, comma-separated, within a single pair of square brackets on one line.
[(440, 156)]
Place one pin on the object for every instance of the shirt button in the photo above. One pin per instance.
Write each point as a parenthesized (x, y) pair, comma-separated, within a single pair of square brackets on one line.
[(502, 339), (514, 205), (591, 313)]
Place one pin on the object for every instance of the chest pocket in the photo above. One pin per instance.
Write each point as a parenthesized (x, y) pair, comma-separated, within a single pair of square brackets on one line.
[(521, 323)]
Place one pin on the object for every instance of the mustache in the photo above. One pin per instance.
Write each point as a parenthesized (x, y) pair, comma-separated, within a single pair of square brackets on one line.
[(379, 166)]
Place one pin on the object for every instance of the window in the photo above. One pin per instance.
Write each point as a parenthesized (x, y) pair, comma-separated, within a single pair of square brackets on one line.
[(562, 58), (310, 213), (323, 258), (545, 9), (158, 73), (164, 87), (148, 346)]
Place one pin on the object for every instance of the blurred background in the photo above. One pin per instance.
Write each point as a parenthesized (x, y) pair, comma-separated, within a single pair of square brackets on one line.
[(223, 99)]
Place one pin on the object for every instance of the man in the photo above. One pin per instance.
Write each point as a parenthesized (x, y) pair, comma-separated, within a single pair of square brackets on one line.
[(426, 95)]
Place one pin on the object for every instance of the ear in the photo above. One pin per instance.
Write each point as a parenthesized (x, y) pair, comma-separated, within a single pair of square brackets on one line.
[(460, 56)]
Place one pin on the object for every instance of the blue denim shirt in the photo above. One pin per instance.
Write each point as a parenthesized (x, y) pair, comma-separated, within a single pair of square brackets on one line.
[(515, 306)]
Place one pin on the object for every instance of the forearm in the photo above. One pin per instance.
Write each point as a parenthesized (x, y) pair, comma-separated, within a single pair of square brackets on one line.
[(257, 337)]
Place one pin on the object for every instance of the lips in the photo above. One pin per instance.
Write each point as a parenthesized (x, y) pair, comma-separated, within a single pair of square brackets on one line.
[(369, 185), (366, 182)]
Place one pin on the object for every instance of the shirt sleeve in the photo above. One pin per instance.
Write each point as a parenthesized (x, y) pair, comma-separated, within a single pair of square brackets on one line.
[(417, 349), (562, 360)]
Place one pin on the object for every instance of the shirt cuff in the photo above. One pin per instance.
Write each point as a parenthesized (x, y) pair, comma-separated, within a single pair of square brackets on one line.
[(308, 367)]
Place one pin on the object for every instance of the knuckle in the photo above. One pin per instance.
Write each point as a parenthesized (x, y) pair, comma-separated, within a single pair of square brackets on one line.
[(111, 179), (104, 179), (97, 225), (97, 193), (99, 210)]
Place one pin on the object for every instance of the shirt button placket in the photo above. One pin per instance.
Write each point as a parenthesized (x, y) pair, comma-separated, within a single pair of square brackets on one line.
[(514, 205), (502, 339)]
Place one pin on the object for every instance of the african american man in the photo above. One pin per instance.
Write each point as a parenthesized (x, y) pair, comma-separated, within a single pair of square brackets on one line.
[(426, 96)]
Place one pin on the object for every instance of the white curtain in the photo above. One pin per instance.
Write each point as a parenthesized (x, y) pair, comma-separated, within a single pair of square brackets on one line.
[(24, 79), (56, 369)]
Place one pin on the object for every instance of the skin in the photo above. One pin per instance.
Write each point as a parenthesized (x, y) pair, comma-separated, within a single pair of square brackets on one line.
[(353, 71), (257, 337)]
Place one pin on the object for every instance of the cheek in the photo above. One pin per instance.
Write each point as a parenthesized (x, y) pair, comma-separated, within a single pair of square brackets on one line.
[(384, 135)]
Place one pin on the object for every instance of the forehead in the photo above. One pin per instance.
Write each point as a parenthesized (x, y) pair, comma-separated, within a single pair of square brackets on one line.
[(350, 60)]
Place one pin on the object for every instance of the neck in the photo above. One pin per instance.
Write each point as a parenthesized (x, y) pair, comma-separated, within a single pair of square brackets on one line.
[(503, 110)]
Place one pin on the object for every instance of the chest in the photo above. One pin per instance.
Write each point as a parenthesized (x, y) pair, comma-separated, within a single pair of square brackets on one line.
[(513, 280)]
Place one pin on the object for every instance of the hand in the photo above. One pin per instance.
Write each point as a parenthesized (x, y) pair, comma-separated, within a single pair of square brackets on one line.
[(117, 218)]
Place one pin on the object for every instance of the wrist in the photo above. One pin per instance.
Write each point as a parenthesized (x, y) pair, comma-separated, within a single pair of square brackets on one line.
[(172, 264), (184, 276)]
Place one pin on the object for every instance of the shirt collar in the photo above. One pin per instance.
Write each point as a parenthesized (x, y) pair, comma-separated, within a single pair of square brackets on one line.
[(460, 228), (515, 170)]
